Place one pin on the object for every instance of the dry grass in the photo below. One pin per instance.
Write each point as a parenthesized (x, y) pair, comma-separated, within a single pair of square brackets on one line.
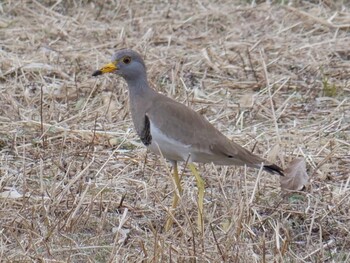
[(78, 186)]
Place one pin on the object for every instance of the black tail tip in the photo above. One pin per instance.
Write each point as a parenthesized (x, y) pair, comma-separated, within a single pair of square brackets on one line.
[(274, 169)]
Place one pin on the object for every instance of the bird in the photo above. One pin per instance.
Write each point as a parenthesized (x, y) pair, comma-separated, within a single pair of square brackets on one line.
[(172, 129)]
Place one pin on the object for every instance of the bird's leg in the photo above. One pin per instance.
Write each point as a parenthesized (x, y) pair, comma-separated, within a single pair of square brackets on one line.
[(201, 191), (177, 180), (177, 195)]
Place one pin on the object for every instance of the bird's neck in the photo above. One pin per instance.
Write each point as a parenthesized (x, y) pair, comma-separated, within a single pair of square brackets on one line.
[(141, 98), (138, 87)]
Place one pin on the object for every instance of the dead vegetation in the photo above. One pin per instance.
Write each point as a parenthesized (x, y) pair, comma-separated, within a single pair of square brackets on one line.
[(78, 186)]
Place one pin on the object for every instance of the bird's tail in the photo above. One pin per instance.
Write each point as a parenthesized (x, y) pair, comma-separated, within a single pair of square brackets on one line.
[(274, 169)]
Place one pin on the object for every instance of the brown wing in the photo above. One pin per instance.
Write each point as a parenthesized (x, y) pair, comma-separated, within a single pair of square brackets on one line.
[(190, 128)]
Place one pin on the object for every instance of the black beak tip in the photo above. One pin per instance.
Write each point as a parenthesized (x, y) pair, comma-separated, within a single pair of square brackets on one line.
[(97, 73)]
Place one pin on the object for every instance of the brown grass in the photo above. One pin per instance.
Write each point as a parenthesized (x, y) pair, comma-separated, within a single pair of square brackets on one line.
[(78, 186)]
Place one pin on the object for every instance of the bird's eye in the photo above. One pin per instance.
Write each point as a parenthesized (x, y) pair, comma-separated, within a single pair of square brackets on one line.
[(126, 60)]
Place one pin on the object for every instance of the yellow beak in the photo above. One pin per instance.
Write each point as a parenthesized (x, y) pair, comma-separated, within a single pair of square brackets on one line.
[(110, 67)]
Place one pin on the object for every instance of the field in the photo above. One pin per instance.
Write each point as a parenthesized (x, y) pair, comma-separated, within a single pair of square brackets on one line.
[(77, 185)]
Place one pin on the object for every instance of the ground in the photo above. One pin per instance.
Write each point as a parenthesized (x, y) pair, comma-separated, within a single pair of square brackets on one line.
[(77, 185)]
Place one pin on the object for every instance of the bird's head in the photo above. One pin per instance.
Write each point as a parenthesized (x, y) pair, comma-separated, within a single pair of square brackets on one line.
[(126, 63)]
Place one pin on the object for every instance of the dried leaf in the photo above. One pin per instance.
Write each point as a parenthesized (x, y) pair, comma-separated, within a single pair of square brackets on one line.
[(295, 175), (226, 225), (38, 66), (247, 100), (274, 152), (124, 234), (10, 193)]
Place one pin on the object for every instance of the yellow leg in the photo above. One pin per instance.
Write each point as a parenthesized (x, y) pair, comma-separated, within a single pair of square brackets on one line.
[(201, 190), (178, 193)]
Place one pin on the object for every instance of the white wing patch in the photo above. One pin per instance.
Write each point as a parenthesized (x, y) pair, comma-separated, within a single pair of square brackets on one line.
[(168, 147)]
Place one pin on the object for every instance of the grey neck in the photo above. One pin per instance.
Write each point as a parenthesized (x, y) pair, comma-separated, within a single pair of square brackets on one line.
[(138, 87), (140, 98)]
